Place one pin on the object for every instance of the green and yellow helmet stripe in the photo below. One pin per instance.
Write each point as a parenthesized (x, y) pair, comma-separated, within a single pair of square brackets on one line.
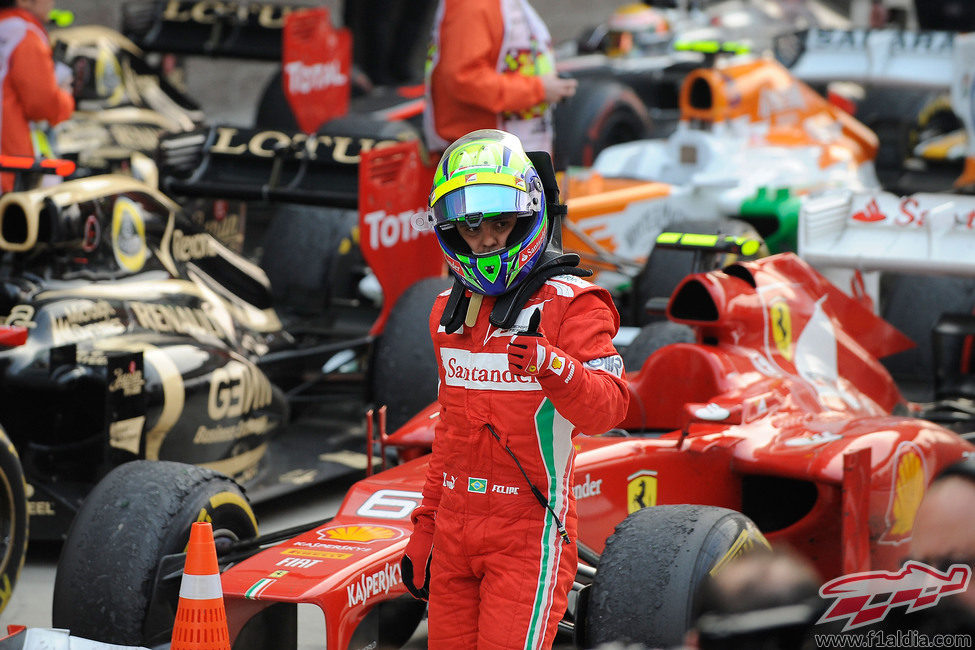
[(506, 177)]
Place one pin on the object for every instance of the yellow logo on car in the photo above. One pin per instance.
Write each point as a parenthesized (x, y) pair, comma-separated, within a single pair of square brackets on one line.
[(641, 490), (129, 235), (359, 533), (906, 493), (746, 542), (781, 321)]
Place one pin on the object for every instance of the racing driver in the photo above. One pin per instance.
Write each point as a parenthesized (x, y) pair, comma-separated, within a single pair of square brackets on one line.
[(526, 361)]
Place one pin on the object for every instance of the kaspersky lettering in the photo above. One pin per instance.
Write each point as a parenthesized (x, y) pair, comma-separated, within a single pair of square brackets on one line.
[(374, 584)]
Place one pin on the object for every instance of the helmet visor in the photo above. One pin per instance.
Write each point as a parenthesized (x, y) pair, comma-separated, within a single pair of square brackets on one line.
[(479, 201)]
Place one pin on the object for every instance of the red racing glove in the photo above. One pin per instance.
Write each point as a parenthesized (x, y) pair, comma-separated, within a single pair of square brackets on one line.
[(530, 353), (417, 556)]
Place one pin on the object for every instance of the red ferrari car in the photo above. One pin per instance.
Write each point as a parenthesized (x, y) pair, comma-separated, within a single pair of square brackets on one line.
[(777, 423)]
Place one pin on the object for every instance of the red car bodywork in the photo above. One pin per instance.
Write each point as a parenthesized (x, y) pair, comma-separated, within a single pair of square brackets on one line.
[(780, 410)]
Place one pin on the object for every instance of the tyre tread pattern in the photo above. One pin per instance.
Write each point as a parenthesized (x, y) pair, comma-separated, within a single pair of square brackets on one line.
[(114, 544)]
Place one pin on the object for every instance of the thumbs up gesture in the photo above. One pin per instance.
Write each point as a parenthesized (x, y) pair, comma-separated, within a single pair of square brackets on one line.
[(531, 354)]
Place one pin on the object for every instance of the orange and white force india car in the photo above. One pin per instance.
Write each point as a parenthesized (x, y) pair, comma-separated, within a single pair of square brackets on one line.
[(752, 141)]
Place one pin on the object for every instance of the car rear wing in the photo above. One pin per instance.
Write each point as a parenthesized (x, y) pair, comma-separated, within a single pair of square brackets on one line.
[(880, 231), (226, 28), (276, 165), (882, 56), (378, 169)]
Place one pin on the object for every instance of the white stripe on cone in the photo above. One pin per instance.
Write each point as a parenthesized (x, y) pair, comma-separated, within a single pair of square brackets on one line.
[(200, 587)]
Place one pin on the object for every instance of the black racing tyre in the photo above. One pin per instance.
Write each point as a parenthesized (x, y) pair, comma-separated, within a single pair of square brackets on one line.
[(302, 248), (140, 512), (648, 578), (13, 519), (894, 114), (938, 118), (651, 338), (665, 268), (404, 370), (601, 113), (913, 304)]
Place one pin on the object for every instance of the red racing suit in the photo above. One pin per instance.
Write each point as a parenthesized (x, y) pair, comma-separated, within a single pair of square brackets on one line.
[(500, 571), (28, 85)]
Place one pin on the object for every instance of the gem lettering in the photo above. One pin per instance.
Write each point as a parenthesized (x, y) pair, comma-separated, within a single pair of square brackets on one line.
[(237, 388)]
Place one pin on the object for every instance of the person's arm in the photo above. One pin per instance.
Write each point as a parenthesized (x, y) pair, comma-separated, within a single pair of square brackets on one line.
[(470, 40), (425, 514), (415, 564), (582, 374), (32, 76)]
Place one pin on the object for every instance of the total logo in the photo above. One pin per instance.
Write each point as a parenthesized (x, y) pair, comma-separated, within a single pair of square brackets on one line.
[(303, 79), (387, 230)]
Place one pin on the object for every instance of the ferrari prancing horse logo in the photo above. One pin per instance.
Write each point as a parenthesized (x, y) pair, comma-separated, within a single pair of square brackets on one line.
[(781, 328), (641, 490)]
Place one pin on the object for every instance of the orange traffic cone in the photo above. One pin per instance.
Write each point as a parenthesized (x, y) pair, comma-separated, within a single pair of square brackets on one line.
[(201, 620)]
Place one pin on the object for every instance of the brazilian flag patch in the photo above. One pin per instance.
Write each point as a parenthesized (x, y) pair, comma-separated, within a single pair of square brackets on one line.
[(478, 485)]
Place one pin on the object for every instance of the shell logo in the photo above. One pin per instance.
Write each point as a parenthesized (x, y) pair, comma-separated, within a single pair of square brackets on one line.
[(556, 363), (361, 534), (909, 481)]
